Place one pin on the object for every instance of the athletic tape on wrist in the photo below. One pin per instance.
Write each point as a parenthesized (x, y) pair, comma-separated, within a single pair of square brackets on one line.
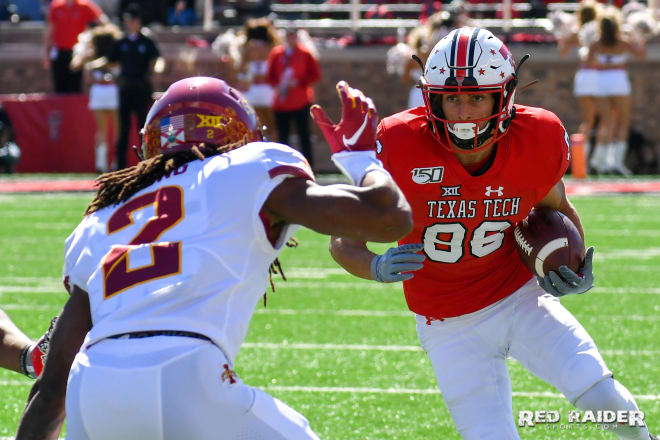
[(356, 164)]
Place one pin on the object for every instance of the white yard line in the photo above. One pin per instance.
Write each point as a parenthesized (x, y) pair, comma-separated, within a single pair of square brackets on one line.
[(628, 254), (408, 314), (626, 232), (367, 390), (58, 287), (44, 288), (30, 307), (354, 312), (398, 348), (375, 390)]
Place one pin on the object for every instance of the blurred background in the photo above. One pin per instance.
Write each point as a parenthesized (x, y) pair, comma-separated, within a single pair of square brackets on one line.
[(367, 43)]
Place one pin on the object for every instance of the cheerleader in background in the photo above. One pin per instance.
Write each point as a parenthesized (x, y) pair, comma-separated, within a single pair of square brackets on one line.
[(259, 37), (610, 55), (91, 53), (580, 31), (419, 42)]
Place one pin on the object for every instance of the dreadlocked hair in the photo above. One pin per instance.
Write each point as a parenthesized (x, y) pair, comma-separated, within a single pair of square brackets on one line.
[(276, 268), (118, 186)]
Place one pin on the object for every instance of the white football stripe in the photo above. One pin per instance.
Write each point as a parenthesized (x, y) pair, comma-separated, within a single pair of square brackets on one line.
[(546, 250)]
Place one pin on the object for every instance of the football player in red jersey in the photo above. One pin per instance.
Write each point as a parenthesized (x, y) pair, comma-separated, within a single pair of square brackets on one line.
[(13, 343), (472, 164), (18, 352)]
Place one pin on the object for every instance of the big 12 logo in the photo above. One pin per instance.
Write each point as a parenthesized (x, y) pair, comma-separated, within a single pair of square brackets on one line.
[(428, 175)]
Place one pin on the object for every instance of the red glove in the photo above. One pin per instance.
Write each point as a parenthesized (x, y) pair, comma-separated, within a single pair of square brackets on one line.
[(357, 129)]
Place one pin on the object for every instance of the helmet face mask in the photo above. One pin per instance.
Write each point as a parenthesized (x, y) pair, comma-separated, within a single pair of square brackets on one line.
[(196, 111), (469, 61)]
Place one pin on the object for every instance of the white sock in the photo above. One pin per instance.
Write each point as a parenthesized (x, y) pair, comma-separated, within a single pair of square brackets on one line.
[(101, 157), (620, 149), (598, 157), (608, 162), (610, 395)]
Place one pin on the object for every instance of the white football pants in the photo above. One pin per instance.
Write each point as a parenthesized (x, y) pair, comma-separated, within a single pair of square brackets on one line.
[(468, 354), (169, 388)]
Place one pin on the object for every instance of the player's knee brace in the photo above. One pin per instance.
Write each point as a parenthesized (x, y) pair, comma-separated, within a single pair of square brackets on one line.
[(609, 394)]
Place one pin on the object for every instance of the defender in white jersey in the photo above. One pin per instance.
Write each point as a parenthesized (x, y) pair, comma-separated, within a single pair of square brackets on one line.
[(171, 258)]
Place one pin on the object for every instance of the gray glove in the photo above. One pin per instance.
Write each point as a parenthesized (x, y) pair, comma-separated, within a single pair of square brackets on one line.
[(572, 283), (388, 268)]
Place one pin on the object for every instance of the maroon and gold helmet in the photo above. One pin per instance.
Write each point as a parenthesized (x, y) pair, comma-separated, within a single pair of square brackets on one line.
[(198, 110)]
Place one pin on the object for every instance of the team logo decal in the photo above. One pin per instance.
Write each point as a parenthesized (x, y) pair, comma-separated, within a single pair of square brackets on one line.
[(212, 121), (504, 51), (499, 191), (428, 175), (448, 191), (224, 127)]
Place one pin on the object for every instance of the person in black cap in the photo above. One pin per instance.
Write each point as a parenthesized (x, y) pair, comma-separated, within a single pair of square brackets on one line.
[(136, 54)]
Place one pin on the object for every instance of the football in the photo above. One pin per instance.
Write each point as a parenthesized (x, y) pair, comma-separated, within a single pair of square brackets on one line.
[(547, 239)]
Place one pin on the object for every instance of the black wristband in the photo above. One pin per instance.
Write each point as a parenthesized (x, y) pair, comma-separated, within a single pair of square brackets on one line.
[(22, 358)]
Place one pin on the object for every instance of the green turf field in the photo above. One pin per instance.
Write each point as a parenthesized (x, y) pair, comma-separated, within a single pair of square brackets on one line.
[(343, 351)]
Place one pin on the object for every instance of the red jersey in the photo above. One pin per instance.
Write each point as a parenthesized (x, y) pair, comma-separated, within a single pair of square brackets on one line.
[(68, 21), (466, 222), (303, 67)]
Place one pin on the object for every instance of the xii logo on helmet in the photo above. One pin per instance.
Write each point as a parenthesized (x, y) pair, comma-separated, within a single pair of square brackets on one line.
[(217, 129)]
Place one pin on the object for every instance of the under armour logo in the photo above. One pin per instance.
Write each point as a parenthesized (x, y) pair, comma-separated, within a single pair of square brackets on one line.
[(489, 191)]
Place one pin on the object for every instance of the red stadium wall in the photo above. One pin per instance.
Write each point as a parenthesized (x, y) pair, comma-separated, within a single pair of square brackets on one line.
[(56, 133)]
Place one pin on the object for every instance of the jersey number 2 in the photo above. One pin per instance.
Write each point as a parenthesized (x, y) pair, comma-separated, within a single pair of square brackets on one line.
[(165, 256)]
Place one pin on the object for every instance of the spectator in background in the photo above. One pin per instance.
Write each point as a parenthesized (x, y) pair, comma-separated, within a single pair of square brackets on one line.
[(136, 53), (91, 53), (181, 13), (419, 42), (610, 55), (66, 20), (582, 35), (423, 38), (292, 70), (260, 38), (153, 11)]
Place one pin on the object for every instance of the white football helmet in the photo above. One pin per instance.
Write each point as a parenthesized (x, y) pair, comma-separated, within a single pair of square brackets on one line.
[(470, 61)]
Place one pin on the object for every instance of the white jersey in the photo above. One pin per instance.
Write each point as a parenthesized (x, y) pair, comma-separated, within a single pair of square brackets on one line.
[(190, 252)]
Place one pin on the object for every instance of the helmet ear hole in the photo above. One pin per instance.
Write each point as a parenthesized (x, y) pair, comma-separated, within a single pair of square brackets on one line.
[(233, 94)]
